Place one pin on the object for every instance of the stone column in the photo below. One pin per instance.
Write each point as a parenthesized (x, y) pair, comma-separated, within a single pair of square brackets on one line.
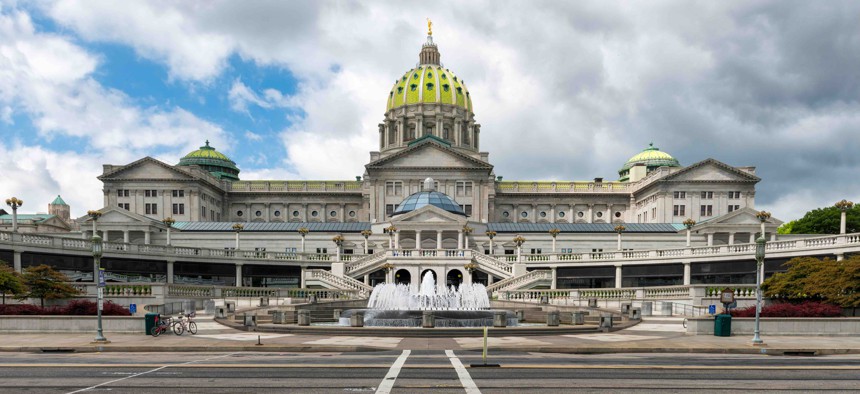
[(554, 278), (489, 279), (752, 237), (16, 261), (731, 238), (169, 271), (146, 237), (397, 240), (367, 279), (417, 239), (686, 273), (552, 217), (711, 239), (438, 239), (105, 234), (238, 274), (84, 234), (773, 236), (618, 276), (302, 278), (590, 213), (459, 239), (305, 212), (125, 236)]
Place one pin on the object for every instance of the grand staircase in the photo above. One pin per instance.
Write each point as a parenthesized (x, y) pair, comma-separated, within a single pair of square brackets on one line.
[(526, 281)]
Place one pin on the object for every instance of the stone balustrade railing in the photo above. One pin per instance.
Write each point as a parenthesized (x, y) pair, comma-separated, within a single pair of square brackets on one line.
[(690, 292), (561, 187), (295, 186), (340, 282), (365, 262), (803, 246), (161, 291), (493, 264), (522, 280)]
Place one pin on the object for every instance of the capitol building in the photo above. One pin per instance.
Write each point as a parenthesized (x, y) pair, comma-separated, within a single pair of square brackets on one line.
[(428, 201)]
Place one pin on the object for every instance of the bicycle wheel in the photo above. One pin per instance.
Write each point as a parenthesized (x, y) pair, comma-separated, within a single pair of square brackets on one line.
[(192, 328), (155, 331), (178, 328)]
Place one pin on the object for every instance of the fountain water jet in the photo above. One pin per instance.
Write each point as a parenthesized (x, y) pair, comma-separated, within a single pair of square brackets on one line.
[(395, 305)]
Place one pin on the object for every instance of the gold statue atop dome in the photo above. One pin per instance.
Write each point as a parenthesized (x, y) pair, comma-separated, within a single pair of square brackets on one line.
[(429, 27)]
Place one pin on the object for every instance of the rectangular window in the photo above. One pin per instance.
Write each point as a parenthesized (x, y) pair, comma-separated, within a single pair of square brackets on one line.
[(179, 209), (733, 208), (122, 192), (151, 209), (566, 250), (389, 209), (119, 192), (645, 216), (734, 195), (654, 213), (179, 193), (217, 217), (706, 210), (679, 210), (203, 212), (211, 213), (322, 250), (536, 251), (464, 188), (707, 195), (393, 188), (467, 208), (124, 206), (680, 195)]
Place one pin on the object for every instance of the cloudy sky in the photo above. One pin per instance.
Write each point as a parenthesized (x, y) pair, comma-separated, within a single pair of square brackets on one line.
[(563, 90)]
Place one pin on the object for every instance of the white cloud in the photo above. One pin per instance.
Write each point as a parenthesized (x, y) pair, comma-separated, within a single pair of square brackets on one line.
[(253, 136)]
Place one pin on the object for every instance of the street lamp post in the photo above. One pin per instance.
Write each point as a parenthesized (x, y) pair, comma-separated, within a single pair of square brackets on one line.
[(466, 231), (366, 234), (95, 215), (97, 257), (168, 221), (238, 227), (843, 206), (491, 235), (619, 229), (759, 258), (519, 240), (303, 231), (689, 223), (554, 232), (14, 202), (763, 216), (338, 242)]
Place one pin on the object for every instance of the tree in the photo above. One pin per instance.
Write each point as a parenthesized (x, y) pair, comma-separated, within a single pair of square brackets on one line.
[(10, 281), (808, 278), (826, 221), (43, 282)]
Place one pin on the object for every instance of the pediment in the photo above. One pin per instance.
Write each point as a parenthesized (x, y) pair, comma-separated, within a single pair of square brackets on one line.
[(429, 214), (147, 168), (429, 154), (56, 222), (741, 217), (119, 215), (711, 170)]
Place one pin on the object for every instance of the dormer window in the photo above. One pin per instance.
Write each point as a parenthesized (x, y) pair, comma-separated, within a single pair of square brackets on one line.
[(459, 90), (444, 76), (429, 75), (446, 87), (415, 75), (413, 87), (429, 86), (400, 89)]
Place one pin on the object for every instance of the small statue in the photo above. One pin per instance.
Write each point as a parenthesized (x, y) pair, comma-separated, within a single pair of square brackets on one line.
[(429, 27)]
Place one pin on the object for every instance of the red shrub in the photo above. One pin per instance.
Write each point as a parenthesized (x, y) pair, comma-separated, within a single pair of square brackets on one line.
[(24, 309), (73, 308), (785, 309)]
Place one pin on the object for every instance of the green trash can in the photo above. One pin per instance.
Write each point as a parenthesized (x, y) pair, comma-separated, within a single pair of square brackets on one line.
[(723, 325), (149, 320)]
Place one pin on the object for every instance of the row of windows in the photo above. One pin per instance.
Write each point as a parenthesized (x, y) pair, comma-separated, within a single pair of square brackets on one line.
[(149, 193), (561, 214), (704, 210), (296, 214), (707, 195), (395, 188)]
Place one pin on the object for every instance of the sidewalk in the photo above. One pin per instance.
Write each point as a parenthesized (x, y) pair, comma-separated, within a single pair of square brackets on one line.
[(651, 336)]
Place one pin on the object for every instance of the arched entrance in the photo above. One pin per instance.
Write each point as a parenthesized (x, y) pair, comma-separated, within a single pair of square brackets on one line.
[(454, 278), (402, 276), (480, 277), (432, 272)]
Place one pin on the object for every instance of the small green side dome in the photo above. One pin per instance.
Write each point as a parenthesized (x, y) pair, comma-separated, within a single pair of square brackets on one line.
[(219, 165), (652, 158), (429, 83)]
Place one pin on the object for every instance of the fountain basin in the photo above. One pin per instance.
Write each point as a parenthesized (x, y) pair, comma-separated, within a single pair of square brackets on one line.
[(413, 318)]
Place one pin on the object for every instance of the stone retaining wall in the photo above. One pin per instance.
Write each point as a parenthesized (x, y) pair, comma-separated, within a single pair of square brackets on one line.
[(48, 324), (837, 326)]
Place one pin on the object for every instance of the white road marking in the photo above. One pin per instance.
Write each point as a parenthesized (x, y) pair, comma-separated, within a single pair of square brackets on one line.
[(147, 372), (465, 378), (388, 382)]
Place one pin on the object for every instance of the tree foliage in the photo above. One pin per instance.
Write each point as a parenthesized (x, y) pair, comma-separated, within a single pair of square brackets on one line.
[(826, 221), (43, 282), (10, 281), (808, 278)]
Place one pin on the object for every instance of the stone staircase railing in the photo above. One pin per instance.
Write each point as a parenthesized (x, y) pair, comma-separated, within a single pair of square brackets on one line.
[(494, 266), (337, 282), (521, 281), (365, 264)]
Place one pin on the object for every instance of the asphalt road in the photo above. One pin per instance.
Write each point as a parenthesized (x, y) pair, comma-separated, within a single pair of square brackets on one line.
[(421, 371)]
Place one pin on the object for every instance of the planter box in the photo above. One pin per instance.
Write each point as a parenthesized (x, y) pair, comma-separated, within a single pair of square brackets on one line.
[(826, 326)]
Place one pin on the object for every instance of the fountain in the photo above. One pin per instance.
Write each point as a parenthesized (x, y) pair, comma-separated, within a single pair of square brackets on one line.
[(394, 305)]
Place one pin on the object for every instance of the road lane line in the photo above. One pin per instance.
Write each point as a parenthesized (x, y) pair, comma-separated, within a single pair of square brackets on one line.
[(148, 372), (465, 378), (388, 382)]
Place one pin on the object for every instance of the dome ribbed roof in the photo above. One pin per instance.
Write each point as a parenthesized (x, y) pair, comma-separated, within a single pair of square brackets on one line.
[(429, 83), (213, 161), (652, 158), (424, 198)]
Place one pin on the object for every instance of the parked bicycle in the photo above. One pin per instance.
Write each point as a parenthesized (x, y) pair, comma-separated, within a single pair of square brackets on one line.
[(161, 325), (185, 323)]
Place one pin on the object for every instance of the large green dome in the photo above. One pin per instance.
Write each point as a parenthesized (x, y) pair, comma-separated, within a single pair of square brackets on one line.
[(429, 83), (652, 158), (219, 165)]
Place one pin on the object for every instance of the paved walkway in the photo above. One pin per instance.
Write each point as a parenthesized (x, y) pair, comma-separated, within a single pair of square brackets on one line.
[(654, 335)]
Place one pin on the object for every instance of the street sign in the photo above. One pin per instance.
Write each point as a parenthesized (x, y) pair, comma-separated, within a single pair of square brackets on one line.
[(132, 308), (101, 304), (712, 309), (101, 277), (101, 292)]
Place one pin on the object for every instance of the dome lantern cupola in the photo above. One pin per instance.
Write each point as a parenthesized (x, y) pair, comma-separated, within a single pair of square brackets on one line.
[(644, 162), (219, 165)]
